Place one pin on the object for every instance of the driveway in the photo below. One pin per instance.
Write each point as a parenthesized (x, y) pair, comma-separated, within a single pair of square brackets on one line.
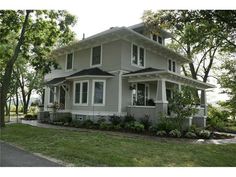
[(11, 156)]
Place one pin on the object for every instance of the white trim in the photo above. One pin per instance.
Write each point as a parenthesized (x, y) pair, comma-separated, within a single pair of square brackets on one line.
[(73, 55), (81, 92), (96, 113), (91, 56), (84, 76), (104, 92), (151, 107), (138, 53), (120, 92)]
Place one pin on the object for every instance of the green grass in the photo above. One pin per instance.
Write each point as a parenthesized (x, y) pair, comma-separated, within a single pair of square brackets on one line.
[(103, 149)]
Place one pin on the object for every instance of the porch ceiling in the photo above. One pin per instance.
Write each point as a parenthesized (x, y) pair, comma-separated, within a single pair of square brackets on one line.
[(167, 76)]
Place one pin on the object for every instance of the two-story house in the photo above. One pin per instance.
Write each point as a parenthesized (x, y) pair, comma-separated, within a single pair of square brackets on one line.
[(124, 70)]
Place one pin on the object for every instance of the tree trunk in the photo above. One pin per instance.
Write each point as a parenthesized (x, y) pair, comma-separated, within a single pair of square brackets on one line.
[(9, 69)]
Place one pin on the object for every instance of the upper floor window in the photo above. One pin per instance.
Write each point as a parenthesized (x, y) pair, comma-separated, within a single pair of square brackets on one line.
[(96, 56), (69, 61), (171, 65), (138, 55), (160, 40), (157, 38)]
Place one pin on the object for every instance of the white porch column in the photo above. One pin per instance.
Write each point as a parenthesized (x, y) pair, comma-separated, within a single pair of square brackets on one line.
[(179, 87), (204, 101), (161, 101)]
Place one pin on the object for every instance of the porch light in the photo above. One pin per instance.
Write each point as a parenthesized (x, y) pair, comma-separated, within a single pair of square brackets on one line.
[(134, 91)]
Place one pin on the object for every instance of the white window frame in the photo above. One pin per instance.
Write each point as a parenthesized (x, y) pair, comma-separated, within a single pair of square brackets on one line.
[(104, 93), (172, 65), (136, 93), (91, 56), (81, 91), (144, 62), (73, 55)]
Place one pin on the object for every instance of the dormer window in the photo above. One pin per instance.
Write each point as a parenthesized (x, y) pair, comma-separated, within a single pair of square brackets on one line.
[(160, 40), (157, 38), (138, 56), (96, 56), (69, 61), (171, 65)]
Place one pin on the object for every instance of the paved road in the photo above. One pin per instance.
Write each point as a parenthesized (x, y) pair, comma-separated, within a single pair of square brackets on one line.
[(11, 156)]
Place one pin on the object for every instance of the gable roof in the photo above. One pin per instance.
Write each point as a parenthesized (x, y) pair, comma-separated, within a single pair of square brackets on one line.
[(91, 72)]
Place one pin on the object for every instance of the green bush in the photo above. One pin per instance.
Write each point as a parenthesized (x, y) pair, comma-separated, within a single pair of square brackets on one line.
[(101, 120), (115, 120), (161, 133), (128, 119), (145, 121), (88, 123), (166, 124), (30, 117), (134, 126), (64, 119), (76, 123), (153, 129), (117, 127), (105, 126), (190, 135), (204, 134), (175, 133)]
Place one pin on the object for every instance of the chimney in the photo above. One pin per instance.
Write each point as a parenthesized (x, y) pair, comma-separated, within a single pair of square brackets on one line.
[(83, 36)]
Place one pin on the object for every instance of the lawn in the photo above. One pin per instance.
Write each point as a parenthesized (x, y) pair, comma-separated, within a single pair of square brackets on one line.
[(103, 149)]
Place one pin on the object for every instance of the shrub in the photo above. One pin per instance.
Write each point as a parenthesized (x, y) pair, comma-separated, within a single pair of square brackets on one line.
[(145, 121), (152, 129), (105, 126), (129, 118), (101, 120), (30, 117), (134, 126), (117, 127), (138, 127), (161, 133), (166, 125), (190, 135), (88, 123), (175, 133), (76, 123), (205, 134), (115, 120)]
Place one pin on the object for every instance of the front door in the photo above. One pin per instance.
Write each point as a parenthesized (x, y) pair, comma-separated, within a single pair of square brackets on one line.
[(62, 98)]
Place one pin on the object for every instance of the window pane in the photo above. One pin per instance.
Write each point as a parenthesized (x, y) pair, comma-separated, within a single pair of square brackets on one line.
[(154, 37), (141, 56), (173, 66), (135, 55), (84, 92), (160, 39), (169, 65), (98, 92), (96, 53), (69, 61), (51, 95), (141, 95), (77, 93)]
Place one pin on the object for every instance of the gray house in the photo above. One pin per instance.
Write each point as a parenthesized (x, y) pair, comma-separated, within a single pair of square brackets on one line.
[(124, 70)]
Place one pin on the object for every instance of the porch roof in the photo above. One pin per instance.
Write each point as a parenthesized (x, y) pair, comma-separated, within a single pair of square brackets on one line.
[(55, 81), (91, 72), (150, 74)]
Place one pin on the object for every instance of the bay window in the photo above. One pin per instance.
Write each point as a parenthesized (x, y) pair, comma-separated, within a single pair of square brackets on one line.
[(81, 93), (99, 92)]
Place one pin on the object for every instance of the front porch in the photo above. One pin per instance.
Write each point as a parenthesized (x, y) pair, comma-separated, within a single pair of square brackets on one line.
[(152, 93)]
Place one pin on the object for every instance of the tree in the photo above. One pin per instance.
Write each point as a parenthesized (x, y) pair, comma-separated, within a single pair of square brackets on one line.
[(34, 34), (200, 36), (228, 82)]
